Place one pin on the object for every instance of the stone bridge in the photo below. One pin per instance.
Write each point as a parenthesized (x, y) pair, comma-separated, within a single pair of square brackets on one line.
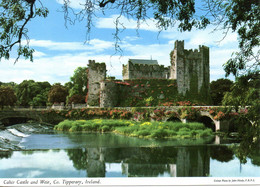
[(14, 116)]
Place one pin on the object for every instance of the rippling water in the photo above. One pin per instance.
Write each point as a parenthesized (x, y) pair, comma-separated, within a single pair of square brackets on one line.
[(34, 150), (12, 137)]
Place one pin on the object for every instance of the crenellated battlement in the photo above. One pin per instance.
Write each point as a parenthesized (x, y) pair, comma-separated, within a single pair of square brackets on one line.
[(145, 70), (189, 68), (96, 74)]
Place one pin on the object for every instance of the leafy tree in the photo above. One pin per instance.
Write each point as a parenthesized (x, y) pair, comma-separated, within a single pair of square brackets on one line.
[(57, 94), (77, 99), (24, 92), (7, 96), (244, 92), (78, 82), (40, 99), (11, 84), (15, 15), (241, 16), (28, 93), (218, 89)]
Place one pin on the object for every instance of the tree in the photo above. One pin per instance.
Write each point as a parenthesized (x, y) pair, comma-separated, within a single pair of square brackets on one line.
[(57, 94), (241, 16), (218, 89), (15, 15), (78, 82), (244, 92), (77, 99), (28, 93), (7, 96)]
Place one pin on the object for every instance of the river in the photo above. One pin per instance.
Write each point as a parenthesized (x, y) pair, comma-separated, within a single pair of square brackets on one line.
[(36, 151)]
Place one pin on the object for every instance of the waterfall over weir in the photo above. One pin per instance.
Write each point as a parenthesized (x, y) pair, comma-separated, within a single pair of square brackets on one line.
[(12, 136)]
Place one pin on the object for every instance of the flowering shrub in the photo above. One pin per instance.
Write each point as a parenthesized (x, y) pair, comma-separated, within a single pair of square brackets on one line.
[(220, 115), (189, 113), (184, 103), (158, 114), (168, 104)]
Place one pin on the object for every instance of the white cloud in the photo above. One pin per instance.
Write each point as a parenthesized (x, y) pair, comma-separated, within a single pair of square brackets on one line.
[(94, 44), (77, 4), (110, 22), (30, 174), (207, 37), (60, 67), (38, 54), (39, 160)]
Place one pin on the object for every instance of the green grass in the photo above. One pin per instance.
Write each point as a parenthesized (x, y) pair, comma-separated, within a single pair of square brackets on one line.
[(137, 129)]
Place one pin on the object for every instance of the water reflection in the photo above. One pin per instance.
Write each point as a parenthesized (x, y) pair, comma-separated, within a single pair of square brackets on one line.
[(184, 161), (169, 161)]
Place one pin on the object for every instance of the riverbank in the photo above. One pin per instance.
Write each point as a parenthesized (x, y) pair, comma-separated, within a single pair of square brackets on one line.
[(137, 129)]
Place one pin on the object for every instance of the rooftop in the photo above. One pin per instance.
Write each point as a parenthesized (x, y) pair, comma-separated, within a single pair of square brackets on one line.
[(143, 61)]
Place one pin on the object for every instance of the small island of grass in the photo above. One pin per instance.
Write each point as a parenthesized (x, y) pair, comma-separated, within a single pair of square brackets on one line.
[(137, 129)]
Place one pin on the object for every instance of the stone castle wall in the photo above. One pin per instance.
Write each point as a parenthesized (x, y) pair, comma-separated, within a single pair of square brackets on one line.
[(145, 71), (108, 94), (190, 68), (96, 74)]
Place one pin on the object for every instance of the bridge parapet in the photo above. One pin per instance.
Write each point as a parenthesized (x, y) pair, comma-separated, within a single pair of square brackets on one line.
[(41, 114)]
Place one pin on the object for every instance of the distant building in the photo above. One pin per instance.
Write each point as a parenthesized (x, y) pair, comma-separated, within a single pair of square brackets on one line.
[(190, 68), (144, 69)]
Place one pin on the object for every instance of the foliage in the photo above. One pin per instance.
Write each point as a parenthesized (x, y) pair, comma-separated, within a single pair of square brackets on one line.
[(7, 96), (96, 125), (57, 94), (218, 89), (239, 16), (148, 92), (15, 15), (77, 99), (189, 113), (165, 130), (137, 129), (33, 93), (78, 82), (243, 17), (244, 92), (10, 84)]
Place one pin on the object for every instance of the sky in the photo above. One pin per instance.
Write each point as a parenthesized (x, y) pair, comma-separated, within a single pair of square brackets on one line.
[(59, 50)]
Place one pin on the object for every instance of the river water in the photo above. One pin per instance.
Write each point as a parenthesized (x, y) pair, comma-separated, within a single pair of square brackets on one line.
[(36, 151)]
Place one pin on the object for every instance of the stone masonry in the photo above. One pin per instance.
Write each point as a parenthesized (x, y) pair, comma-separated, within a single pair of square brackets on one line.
[(144, 69), (190, 68), (96, 74)]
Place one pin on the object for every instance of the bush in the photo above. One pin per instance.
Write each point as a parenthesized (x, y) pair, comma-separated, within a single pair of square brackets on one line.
[(139, 129), (206, 132), (159, 133), (105, 128), (64, 125), (143, 133), (196, 126)]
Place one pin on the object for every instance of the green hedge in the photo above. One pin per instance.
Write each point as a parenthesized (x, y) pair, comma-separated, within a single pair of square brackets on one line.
[(137, 129)]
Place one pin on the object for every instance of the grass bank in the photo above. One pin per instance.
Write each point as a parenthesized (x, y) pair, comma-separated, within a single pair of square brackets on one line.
[(137, 129)]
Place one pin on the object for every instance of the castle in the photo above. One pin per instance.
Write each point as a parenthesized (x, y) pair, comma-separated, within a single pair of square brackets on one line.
[(190, 70)]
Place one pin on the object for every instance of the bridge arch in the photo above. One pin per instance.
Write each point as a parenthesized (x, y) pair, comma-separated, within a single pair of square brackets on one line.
[(208, 122), (11, 120)]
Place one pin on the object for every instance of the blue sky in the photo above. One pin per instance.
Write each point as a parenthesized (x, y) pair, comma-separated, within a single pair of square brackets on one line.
[(60, 50)]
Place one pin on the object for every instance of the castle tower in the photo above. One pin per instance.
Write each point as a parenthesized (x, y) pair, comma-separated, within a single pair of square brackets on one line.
[(96, 74), (108, 94), (190, 69)]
